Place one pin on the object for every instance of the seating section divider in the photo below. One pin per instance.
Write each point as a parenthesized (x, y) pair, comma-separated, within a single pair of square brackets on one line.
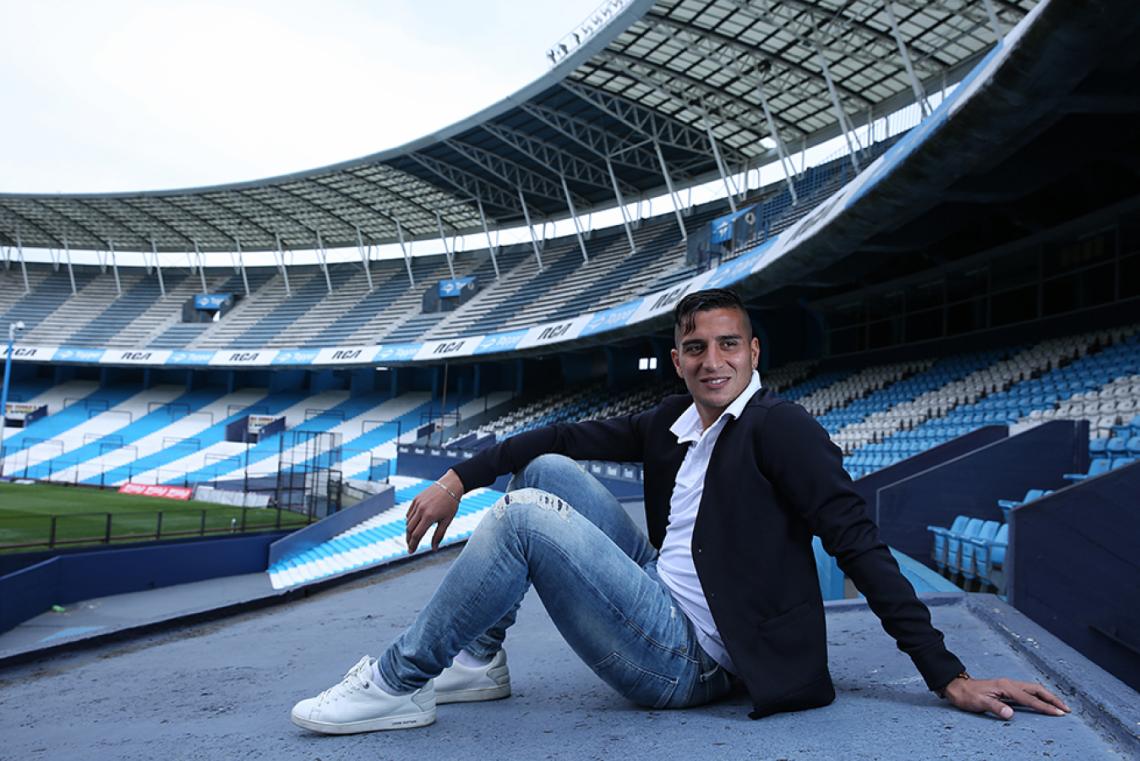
[(1075, 568), (972, 483)]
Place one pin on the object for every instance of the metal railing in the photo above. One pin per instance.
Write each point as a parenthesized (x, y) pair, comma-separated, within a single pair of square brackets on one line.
[(51, 531)]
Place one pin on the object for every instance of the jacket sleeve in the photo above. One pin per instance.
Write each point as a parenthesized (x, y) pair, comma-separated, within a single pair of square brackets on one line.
[(617, 439), (806, 468)]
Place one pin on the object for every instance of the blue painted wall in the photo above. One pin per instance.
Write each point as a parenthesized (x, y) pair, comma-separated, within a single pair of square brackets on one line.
[(1074, 568), (69, 578), (972, 484), (869, 485)]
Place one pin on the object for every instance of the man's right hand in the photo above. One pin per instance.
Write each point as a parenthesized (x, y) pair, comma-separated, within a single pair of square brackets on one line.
[(433, 506)]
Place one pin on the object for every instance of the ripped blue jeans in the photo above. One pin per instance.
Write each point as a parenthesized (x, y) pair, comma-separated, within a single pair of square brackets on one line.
[(596, 573)]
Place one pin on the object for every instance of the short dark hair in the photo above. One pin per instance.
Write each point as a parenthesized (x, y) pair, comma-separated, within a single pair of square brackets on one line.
[(684, 314)]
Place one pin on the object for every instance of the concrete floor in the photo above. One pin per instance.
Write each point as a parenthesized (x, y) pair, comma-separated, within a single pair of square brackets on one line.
[(223, 689)]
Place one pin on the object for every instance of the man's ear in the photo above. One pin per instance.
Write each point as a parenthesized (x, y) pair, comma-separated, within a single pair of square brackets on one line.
[(755, 346), (676, 362)]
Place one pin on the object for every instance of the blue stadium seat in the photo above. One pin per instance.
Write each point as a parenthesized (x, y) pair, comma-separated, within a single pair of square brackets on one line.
[(939, 550), (1098, 447), (989, 558), (1098, 466), (1122, 462), (954, 542), (968, 566), (1008, 504)]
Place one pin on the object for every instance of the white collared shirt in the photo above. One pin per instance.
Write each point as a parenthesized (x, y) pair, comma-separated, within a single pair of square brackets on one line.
[(675, 565)]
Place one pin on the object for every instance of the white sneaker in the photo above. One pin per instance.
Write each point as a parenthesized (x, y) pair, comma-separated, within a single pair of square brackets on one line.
[(357, 704), (461, 684)]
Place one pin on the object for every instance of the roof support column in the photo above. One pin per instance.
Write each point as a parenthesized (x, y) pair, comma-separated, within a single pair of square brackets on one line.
[(672, 192), (621, 205), (201, 267), (281, 265), (574, 216), (995, 25), (70, 272), (23, 266), (157, 266), (443, 240), (530, 229), (729, 190), (915, 85), (324, 261), (487, 232), (404, 251), (780, 150), (115, 267), (241, 265), (843, 123), (364, 256)]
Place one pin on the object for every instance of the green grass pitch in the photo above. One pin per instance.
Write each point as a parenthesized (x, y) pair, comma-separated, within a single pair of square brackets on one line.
[(26, 512)]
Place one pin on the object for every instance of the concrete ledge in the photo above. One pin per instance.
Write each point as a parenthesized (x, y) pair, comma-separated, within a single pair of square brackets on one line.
[(209, 688), (1099, 696), (210, 600)]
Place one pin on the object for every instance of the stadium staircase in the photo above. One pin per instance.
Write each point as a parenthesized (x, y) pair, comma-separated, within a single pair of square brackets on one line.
[(377, 540)]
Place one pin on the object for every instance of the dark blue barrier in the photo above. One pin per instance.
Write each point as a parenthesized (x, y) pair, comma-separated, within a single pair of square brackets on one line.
[(623, 479), (70, 578), (427, 462), (972, 484), (238, 430), (432, 462), (465, 441), (869, 485), (321, 531), (27, 593), (277, 426), (1074, 568)]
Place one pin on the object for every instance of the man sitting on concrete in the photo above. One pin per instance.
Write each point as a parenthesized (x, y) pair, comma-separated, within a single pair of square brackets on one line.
[(723, 589)]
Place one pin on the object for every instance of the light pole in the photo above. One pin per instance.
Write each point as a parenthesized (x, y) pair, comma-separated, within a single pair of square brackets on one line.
[(12, 328)]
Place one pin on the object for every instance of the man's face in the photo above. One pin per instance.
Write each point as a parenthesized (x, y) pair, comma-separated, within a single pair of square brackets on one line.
[(716, 359)]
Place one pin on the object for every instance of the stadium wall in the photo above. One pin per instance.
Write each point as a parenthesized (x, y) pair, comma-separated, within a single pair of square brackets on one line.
[(1075, 568), (972, 484), (871, 484), (66, 579)]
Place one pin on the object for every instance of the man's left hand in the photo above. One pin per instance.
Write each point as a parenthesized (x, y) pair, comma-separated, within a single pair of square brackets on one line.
[(994, 695)]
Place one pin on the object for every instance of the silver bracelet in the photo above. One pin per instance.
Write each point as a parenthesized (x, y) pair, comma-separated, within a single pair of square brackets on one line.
[(450, 493)]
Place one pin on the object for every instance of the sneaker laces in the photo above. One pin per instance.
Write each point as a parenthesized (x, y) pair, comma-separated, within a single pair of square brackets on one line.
[(354, 679)]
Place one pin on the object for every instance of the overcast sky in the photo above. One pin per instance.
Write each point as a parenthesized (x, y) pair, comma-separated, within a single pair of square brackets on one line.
[(116, 95)]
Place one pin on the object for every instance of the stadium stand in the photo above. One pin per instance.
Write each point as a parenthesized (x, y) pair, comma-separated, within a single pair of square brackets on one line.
[(376, 540), (333, 305), (166, 434), (878, 415), (888, 397)]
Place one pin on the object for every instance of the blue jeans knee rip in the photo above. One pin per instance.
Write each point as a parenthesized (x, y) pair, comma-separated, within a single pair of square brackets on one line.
[(530, 496)]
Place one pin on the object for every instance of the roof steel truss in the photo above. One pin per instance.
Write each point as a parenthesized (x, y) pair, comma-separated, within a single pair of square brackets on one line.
[(673, 86)]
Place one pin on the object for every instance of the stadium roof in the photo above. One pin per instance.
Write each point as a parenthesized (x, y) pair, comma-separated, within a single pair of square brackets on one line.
[(646, 97)]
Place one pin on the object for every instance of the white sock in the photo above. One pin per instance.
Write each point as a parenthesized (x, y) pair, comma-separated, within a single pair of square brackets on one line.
[(377, 680), (472, 661)]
